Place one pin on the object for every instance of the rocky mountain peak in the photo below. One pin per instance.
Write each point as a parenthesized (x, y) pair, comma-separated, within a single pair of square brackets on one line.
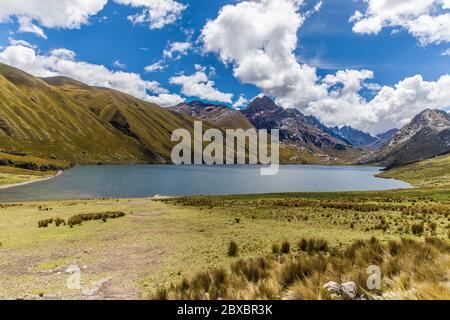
[(432, 118), (261, 104)]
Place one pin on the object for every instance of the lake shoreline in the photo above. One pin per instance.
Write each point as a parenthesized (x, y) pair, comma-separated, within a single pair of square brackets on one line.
[(20, 184)]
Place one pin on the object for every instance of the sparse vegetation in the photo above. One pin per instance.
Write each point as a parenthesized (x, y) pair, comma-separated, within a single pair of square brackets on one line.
[(79, 218), (104, 216), (304, 275)]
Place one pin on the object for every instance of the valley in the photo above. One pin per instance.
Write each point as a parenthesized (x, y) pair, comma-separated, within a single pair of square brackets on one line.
[(266, 246)]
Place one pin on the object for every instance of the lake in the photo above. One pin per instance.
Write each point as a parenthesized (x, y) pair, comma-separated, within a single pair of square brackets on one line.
[(131, 181)]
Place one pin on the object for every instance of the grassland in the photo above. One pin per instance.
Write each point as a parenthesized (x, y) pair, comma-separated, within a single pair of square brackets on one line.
[(180, 247), (159, 243), (12, 176), (18, 168), (429, 173)]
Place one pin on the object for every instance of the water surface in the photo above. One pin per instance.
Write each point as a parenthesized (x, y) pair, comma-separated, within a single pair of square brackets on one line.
[(131, 181)]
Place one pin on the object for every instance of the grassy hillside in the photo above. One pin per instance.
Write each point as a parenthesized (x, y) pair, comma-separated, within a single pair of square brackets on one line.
[(64, 119), (429, 173), (24, 161)]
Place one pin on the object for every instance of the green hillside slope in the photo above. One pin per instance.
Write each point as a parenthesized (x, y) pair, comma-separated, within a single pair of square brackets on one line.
[(429, 173), (64, 119)]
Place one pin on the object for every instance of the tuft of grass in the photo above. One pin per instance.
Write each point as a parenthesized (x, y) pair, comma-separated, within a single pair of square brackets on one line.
[(232, 249), (418, 229), (276, 249), (285, 247)]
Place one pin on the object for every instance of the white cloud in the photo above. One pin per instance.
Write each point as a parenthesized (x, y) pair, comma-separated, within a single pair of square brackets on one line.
[(32, 15), (63, 62), (446, 52), (70, 14), (166, 99), (119, 64), (427, 20), (177, 49), (391, 107), (259, 38), (241, 102), (26, 25), (157, 66), (198, 85), (14, 42), (372, 86), (155, 13)]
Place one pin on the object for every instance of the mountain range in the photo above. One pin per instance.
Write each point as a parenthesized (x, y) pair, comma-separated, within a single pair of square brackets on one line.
[(61, 118)]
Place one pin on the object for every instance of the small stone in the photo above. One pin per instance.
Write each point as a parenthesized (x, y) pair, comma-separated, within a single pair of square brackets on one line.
[(349, 290), (72, 269), (333, 287)]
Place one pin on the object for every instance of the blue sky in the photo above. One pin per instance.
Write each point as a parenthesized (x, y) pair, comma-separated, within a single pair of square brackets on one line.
[(325, 41)]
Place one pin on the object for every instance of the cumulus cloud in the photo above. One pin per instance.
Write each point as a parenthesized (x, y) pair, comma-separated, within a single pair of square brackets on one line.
[(392, 107), (177, 49), (63, 62), (155, 13), (446, 53), (70, 14), (198, 85), (258, 40), (427, 20), (32, 15)]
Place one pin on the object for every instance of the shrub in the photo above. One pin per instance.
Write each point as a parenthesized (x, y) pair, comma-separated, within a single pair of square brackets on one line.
[(75, 220), (417, 229), (285, 247), (276, 248), (59, 221), (44, 223), (232, 249), (253, 270), (202, 281), (294, 271), (104, 216), (303, 244), (313, 245), (237, 220), (160, 294)]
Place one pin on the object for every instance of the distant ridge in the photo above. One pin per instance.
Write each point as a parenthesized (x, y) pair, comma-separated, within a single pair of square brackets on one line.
[(427, 135)]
